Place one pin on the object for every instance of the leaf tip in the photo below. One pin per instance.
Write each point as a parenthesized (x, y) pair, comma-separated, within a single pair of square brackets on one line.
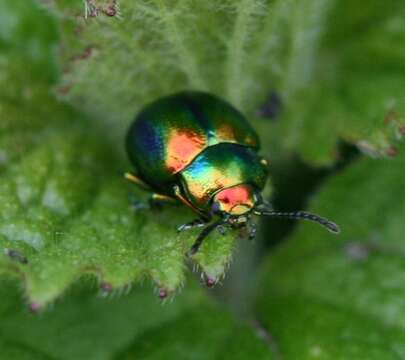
[(391, 151), (210, 282), (34, 307), (163, 293), (110, 10), (106, 287)]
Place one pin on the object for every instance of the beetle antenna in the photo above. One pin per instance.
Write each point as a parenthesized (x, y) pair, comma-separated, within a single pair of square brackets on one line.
[(203, 234), (301, 215)]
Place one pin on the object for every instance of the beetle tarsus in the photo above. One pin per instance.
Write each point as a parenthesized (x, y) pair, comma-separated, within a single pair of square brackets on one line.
[(137, 181), (252, 230), (139, 205), (221, 229), (196, 223)]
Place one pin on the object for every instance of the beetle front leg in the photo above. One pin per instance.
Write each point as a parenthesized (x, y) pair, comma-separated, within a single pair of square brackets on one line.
[(203, 234), (137, 181), (252, 230), (247, 230), (196, 223), (154, 202)]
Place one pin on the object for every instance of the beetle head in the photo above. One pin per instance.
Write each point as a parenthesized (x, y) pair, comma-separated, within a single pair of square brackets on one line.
[(236, 204), (235, 201)]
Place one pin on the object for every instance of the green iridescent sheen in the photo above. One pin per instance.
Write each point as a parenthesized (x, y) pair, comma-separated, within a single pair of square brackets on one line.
[(221, 166), (191, 145), (197, 149), (169, 133)]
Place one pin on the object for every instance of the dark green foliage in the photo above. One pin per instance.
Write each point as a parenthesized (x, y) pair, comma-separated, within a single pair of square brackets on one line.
[(70, 86)]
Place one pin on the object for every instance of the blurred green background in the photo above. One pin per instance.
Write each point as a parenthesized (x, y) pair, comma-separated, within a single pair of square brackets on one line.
[(323, 83)]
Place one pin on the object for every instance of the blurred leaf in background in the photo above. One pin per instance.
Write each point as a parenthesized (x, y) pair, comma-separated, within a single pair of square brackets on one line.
[(342, 298), (355, 91), (73, 75), (64, 203), (337, 66), (86, 326)]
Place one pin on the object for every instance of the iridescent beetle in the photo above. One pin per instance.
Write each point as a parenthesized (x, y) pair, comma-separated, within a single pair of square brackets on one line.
[(195, 148)]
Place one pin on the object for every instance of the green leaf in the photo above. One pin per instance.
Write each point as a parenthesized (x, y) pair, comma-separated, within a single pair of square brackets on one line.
[(137, 325), (354, 88), (65, 206), (65, 209), (337, 68), (340, 297)]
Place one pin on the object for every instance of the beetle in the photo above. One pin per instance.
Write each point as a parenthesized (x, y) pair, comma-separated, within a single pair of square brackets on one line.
[(195, 148)]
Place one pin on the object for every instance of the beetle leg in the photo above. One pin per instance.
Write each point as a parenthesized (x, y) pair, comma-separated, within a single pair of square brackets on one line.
[(196, 223), (203, 234), (160, 198), (221, 229), (136, 180), (252, 230), (157, 200), (153, 202), (139, 205), (184, 200)]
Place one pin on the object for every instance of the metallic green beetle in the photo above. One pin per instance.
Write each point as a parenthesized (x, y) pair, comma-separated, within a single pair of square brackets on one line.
[(195, 148)]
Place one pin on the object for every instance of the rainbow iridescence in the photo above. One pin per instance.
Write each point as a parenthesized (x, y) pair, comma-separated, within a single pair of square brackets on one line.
[(221, 166), (236, 200), (198, 142)]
